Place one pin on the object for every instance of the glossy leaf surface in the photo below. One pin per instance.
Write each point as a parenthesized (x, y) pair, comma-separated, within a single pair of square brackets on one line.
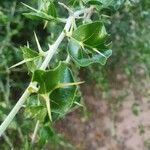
[(91, 35), (83, 58), (55, 82), (89, 44)]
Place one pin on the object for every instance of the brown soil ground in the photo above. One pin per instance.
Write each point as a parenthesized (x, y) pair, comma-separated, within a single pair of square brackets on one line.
[(111, 123)]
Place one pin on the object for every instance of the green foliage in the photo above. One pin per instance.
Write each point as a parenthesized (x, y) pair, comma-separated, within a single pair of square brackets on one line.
[(31, 58), (47, 12), (3, 17), (86, 42), (57, 88), (58, 84), (87, 46), (83, 57), (131, 35), (130, 44), (52, 79)]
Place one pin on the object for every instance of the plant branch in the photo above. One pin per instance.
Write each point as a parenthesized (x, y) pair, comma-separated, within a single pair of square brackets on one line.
[(44, 65)]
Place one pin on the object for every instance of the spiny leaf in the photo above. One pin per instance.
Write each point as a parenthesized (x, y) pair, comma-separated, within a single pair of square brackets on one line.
[(48, 14), (60, 86), (89, 44), (38, 16), (48, 80), (29, 54), (83, 58), (91, 35)]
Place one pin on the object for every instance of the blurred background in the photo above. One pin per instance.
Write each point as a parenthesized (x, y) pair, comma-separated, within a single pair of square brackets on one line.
[(116, 97)]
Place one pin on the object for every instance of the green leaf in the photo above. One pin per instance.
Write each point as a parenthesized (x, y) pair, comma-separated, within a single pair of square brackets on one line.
[(38, 16), (51, 81), (89, 44), (83, 58), (62, 99), (91, 35), (47, 14), (86, 45), (29, 54)]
